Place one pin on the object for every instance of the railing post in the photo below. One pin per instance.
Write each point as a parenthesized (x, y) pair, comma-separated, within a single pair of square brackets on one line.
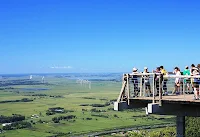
[(153, 89), (141, 87), (134, 91), (128, 89), (144, 87), (183, 88), (160, 94)]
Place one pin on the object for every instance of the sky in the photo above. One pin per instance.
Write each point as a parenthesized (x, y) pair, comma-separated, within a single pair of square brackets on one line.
[(67, 36)]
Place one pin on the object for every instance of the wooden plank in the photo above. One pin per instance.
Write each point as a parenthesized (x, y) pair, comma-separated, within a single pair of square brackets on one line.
[(122, 90), (177, 98)]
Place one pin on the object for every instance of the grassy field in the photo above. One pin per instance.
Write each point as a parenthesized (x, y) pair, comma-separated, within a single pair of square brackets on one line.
[(73, 95)]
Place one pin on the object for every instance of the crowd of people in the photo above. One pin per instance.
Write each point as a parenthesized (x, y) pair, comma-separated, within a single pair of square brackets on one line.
[(181, 85)]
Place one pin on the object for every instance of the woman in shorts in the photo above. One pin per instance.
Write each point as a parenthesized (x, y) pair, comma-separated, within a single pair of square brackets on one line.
[(196, 85)]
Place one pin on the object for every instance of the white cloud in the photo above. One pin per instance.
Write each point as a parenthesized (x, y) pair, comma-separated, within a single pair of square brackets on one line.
[(61, 67)]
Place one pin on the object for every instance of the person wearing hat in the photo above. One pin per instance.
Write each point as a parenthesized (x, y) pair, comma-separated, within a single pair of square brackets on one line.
[(135, 69), (186, 81), (146, 82), (135, 80)]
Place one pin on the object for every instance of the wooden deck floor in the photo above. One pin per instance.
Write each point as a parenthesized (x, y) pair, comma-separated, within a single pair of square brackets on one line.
[(177, 98)]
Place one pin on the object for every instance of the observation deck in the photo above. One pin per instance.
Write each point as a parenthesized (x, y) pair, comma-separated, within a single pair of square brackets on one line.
[(159, 96)]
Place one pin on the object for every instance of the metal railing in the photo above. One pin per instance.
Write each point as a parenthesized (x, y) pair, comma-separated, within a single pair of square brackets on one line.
[(154, 85)]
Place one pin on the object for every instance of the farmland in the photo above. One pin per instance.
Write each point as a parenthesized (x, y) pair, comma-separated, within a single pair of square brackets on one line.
[(62, 107)]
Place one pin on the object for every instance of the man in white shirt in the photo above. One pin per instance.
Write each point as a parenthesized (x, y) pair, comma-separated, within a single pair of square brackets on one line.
[(146, 82), (135, 80), (177, 80)]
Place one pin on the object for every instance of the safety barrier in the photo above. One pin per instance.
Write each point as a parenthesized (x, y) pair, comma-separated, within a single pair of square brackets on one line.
[(154, 85)]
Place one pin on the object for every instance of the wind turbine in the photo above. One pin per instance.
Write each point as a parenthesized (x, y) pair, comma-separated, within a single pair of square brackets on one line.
[(43, 79), (90, 84)]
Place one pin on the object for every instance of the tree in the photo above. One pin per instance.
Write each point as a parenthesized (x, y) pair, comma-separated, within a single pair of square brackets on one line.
[(192, 127)]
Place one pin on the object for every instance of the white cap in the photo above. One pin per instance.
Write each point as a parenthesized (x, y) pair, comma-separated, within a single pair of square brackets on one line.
[(145, 68), (134, 69)]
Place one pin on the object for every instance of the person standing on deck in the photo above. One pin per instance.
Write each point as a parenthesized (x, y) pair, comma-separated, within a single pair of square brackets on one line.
[(177, 80), (158, 80), (146, 82), (135, 81), (191, 73), (186, 81), (164, 73), (198, 67), (194, 81), (196, 84)]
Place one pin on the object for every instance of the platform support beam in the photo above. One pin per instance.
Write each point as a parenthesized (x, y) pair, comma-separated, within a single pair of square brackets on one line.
[(180, 126)]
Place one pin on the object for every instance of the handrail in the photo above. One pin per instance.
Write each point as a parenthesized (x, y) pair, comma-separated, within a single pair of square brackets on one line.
[(165, 76), (156, 88), (181, 76)]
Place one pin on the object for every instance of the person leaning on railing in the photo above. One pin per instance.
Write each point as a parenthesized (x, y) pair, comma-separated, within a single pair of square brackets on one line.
[(146, 82), (186, 81), (177, 81), (135, 80), (191, 73), (196, 82), (165, 79), (158, 78)]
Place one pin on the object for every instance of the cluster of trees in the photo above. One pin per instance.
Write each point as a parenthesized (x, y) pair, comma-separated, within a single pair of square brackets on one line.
[(6, 88), (102, 99), (167, 132), (84, 110), (192, 130), (97, 105), (59, 134), (40, 95), (89, 98), (52, 111), (111, 109), (17, 125), (56, 108), (56, 96), (88, 118), (116, 116), (100, 115), (9, 119), (192, 126), (97, 110), (57, 119), (139, 116), (45, 95), (19, 82), (22, 100)]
